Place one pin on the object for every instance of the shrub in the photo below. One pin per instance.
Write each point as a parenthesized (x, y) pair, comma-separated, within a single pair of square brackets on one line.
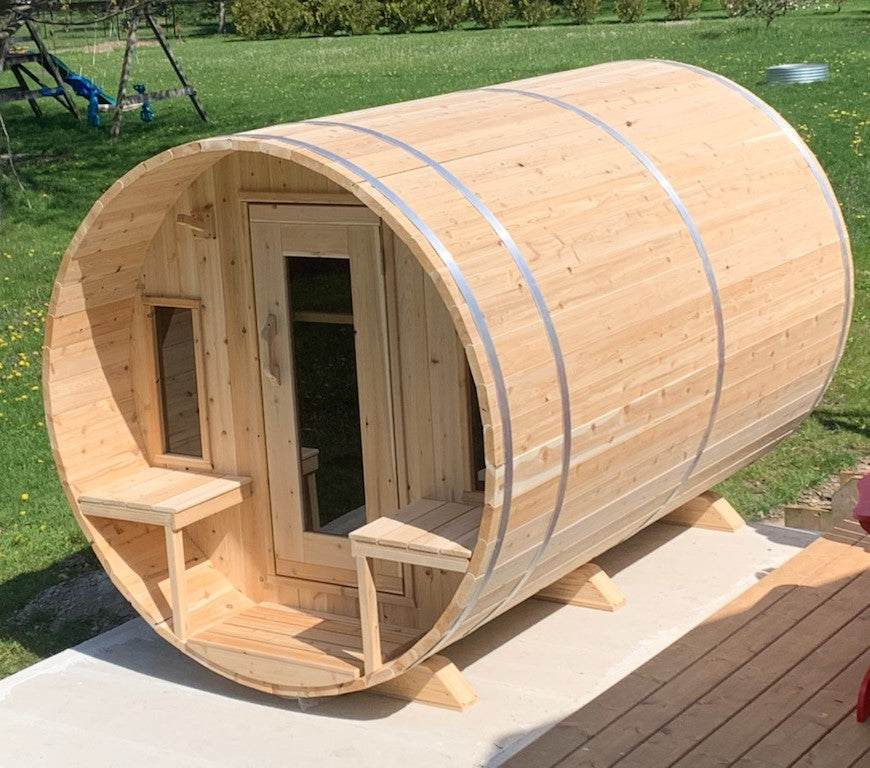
[(629, 10), (733, 7), (361, 17), (403, 15), (680, 9), (762, 9), (770, 9), (324, 17), (491, 13), (266, 18), (446, 14), (356, 17), (582, 11), (535, 12)]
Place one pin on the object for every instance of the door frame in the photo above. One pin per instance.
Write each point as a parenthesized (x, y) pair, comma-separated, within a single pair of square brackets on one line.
[(322, 230)]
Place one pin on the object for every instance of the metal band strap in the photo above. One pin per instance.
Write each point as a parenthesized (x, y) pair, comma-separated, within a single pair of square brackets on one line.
[(558, 359), (821, 180), (699, 246), (464, 289)]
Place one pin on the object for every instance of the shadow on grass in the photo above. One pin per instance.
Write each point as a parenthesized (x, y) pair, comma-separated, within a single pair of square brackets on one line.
[(44, 612), (855, 421), (730, 31)]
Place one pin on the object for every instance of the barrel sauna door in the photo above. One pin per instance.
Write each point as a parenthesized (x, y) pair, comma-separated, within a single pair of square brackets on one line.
[(320, 303)]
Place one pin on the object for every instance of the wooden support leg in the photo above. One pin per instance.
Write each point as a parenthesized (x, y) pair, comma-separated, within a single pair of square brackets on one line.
[(435, 681), (132, 37), (22, 83), (709, 510), (368, 612), (49, 66), (588, 586), (177, 584), (176, 65)]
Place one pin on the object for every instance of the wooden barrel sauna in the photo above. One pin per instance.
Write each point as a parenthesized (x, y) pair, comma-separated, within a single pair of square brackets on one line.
[(327, 396)]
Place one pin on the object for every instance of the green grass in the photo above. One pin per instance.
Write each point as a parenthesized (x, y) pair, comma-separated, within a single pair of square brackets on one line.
[(245, 85)]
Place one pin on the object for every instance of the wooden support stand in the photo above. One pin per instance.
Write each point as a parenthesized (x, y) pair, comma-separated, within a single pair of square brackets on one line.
[(123, 101), (709, 510), (30, 86), (435, 681), (588, 586)]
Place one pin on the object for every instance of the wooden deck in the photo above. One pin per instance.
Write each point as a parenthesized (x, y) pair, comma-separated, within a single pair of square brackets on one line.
[(769, 681)]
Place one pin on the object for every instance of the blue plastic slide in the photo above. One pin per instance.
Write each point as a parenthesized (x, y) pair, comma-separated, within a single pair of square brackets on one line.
[(85, 88), (81, 85)]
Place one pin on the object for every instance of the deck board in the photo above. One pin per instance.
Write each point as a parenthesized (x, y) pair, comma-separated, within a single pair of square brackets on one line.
[(844, 746), (766, 681)]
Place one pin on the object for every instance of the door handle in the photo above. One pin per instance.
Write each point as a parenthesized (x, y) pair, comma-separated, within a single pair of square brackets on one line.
[(267, 333)]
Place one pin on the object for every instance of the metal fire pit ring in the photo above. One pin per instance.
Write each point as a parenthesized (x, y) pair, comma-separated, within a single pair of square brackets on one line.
[(807, 72)]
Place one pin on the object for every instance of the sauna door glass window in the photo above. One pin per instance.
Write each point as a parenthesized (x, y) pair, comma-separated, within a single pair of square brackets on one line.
[(327, 392), (320, 300), (177, 375)]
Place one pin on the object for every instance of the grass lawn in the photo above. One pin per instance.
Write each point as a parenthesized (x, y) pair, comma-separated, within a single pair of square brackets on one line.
[(67, 165)]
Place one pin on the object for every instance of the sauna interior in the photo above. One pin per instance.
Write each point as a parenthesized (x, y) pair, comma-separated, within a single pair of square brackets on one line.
[(321, 413)]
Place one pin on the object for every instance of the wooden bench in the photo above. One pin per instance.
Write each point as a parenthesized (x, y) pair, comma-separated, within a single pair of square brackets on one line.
[(173, 499), (428, 532)]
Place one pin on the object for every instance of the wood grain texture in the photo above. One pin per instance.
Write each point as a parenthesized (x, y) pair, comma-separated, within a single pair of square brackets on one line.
[(587, 587), (435, 681), (709, 510), (558, 252)]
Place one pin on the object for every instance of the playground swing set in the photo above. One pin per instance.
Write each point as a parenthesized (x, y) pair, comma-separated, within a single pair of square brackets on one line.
[(32, 86)]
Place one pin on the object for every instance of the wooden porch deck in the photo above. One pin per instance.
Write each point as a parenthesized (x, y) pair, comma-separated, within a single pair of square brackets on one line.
[(769, 681)]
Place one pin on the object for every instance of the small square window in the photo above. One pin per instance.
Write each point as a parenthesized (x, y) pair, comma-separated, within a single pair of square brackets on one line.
[(180, 398)]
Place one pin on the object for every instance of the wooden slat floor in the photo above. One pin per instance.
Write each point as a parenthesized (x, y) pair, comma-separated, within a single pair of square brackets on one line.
[(769, 681)]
